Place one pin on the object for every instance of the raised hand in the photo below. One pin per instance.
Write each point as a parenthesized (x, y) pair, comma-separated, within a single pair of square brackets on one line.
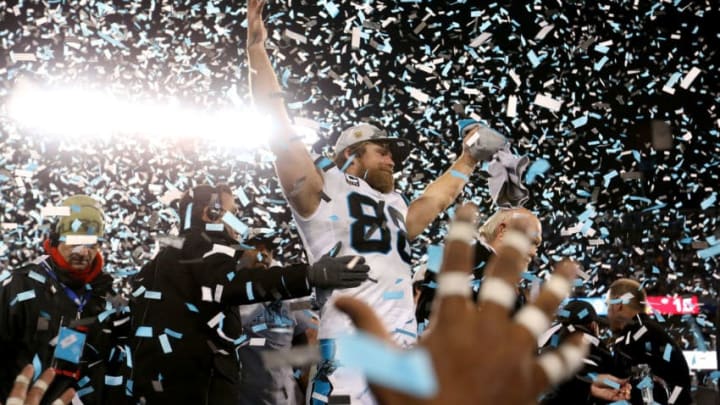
[(256, 33), (480, 354)]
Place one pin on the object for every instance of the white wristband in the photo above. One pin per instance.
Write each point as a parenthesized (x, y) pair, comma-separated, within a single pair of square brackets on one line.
[(516, 240), (58, 402), (574, 357), (453, 283), (559, 286), (533, 319), (553, 366), (21, 379), (461, 230), (40, 385), (499, 291), (14, 401)]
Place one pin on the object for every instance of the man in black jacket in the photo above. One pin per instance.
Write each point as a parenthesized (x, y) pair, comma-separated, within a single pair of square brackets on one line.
[(54, 312), (186, 323), (491, 234), (592, 384), (642, 341)]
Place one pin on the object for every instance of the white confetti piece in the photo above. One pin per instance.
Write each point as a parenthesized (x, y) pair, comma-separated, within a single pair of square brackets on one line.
[(548, 102), (690, 77)]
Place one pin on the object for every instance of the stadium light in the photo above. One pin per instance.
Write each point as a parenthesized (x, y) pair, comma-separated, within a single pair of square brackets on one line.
[(77, 112)]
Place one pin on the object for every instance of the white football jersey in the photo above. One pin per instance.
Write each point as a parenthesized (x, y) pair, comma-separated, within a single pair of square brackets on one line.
[(371, 224)]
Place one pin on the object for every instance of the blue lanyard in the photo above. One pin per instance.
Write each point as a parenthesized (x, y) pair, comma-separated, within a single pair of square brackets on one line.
[(74, 297)]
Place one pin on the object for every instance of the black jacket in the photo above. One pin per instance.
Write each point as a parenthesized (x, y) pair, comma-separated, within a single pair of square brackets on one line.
[(198, 364), (28, 328), (658, 350), (577, 389)]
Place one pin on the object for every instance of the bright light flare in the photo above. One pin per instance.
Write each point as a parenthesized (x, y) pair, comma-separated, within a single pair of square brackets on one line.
[(80, 113)]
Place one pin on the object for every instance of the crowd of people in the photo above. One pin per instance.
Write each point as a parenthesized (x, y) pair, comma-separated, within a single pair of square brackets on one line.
[(212, 315)]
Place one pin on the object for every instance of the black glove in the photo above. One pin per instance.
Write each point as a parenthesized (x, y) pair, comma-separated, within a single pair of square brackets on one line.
[(333, 272)]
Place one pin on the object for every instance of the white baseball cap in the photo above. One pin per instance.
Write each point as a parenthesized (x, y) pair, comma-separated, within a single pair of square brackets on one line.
[(400, 148)]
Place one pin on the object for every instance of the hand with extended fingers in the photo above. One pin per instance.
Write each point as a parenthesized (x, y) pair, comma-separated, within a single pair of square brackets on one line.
[(480, 354), (25, 394)]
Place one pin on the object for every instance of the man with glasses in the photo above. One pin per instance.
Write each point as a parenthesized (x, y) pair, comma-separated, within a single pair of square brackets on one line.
[(54, 313), (186, 325)]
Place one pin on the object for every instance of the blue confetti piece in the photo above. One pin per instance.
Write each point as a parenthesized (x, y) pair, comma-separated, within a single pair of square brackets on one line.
[(580, 121), (165, 343), (83, 381), (582, 314), (563, 313), (708, 202), (75, 225), (170, 332), (70, 345), (645, 383), (153, 295), (459, 175), (188, 216), (230, 276), (144, 331), (37, 277), (709, 252), (4, 275), (37, 367), (75, 208), (235, 223), (259, 327), (334, 218), (599, 64), (214, 227), (240, 340), (249, 290), (240, 194), (87, 390), (25, 295), (409, 371), (347, 163), (113, 380), (139, 291), (667, 352), (323, 163), (610, 383), (435, 255), (537, 168), (393, 295)]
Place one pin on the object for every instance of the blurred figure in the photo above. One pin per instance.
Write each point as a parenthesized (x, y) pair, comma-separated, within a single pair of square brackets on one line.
[(186, 324), (274, 326), (54, 311), (644, 352), (580, 316), (491, 235)]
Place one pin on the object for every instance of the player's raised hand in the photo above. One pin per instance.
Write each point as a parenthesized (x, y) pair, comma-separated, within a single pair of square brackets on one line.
[(480, 354), (256, 33)]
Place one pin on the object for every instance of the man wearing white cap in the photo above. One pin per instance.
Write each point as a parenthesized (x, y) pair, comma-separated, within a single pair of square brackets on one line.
[(351, 203)]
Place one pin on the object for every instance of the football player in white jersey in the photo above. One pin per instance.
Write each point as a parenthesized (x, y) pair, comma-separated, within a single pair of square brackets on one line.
[(352, 201)]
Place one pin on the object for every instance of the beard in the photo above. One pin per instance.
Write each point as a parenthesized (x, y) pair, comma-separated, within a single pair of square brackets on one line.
[(380, 180)]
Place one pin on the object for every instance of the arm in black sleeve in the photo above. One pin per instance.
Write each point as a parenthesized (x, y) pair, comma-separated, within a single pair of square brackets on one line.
[(259, 285)]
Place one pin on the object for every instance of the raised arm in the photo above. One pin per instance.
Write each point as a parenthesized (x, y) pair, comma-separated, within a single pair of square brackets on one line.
[(300, 179), (439, 194)]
